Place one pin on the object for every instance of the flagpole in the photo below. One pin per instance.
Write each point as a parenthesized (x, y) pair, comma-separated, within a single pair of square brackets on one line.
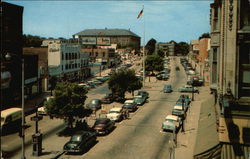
[(143, 46)]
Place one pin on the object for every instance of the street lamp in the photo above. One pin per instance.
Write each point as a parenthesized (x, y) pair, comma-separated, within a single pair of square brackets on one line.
[(8, 57)]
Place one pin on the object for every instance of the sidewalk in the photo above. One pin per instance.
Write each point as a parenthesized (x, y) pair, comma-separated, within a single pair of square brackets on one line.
[(186, 141)]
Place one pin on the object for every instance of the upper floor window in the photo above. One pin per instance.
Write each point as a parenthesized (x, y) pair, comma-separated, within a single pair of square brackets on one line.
[(245, 14)]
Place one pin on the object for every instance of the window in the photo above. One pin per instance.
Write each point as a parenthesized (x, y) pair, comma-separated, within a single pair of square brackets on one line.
[(244, 70), (103, 54), (244, 15), (62, 67), (67, 56), (62, 57), (215, 18)]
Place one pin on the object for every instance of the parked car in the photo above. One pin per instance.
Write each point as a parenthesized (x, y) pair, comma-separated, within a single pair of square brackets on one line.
[(188, 88), (167, 88), (185, 106), (107, 99), (143, 93), (129, 105), (118, 98), (185, 97), (42, 111), (139, 100), (94, 104), (80, 142), (177, 110), (172, 123), (115, 114), (103, 126), (165, 77)]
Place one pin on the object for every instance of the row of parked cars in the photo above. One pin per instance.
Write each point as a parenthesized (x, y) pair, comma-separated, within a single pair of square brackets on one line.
[(174, 121), (83, 140)]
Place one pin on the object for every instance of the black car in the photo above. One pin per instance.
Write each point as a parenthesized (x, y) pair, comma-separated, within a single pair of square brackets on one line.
[(80, 142), (103, 126)]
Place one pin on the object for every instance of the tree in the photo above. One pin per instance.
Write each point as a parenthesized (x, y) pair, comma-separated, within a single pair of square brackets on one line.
[(182, 48), (150, 46), (160, 52), (204, 35), (32, 41), (52, 81), (154, 63), (68, 102), (123, 81)]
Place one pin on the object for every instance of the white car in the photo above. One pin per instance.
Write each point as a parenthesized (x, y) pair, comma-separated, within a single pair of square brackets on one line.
[(115, 114), (172, 123), (42, 111)]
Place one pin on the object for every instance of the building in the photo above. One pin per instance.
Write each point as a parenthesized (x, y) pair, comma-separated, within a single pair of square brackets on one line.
[(168, 48), (230, 75), (42, 54), (90, 38), (104, 56), (67, 62), (11, 43)]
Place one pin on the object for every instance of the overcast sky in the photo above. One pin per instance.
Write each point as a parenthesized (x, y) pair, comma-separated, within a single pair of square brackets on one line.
[(164, 20)]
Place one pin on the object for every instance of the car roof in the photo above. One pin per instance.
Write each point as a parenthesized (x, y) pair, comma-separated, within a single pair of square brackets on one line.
[(177, 107), (172, 117), (115, 109), (129, 101), (10, 111)]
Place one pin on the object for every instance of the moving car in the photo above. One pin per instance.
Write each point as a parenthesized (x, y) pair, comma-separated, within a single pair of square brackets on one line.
[(94, 104), (143, 93), (188, 88), (80, 142), (115, 114), (139, 100), (172, 123), (103, 126), (167, 88)]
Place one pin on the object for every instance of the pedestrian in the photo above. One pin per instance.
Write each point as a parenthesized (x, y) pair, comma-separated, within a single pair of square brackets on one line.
[(127, 114)]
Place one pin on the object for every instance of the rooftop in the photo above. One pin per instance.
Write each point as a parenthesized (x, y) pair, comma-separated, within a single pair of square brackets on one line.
[(106, 32)]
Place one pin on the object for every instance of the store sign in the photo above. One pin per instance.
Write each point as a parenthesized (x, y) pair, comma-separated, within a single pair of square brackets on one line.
[(88, 40)]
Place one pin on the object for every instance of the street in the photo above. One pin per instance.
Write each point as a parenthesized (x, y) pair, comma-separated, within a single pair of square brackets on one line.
[(139, 137)]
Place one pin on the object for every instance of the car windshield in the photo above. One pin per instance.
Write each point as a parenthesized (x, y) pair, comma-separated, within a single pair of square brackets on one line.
[(128, 106), (170, 120), (76, 138), (114, 111), (94, 101)]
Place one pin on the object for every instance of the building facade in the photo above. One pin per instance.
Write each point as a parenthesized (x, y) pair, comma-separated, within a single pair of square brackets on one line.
[(11, 43), (230, 73), (90, 38), (168, 48), (66, 62)]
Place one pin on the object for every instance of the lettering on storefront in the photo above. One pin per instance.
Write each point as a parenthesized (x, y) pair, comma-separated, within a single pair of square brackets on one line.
[(53, 50)]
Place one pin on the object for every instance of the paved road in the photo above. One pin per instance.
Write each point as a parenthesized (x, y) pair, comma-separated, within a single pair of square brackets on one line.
[(139, 137)]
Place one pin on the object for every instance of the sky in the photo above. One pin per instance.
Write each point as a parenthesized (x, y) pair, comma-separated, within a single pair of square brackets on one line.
[(165, 20)]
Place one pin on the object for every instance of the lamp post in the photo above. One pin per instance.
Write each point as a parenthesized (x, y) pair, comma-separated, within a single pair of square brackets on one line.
[(8, 56)]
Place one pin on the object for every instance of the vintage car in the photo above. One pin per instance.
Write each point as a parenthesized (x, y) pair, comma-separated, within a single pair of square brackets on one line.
[(129, 105), (103, 126), (139, 100), (172, 123), (115, 114), (80, 142), (184, 97), (178, 111), (167, 88), (94, 104), (107, 99), (188, 88), (143, 93)]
